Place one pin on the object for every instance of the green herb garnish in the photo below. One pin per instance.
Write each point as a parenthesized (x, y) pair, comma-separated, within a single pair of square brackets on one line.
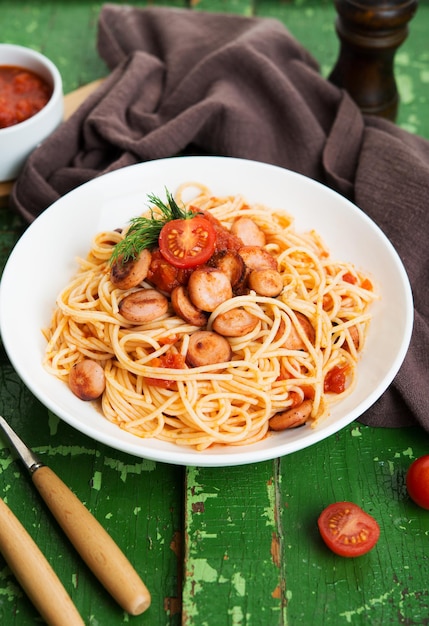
[(144, 231)]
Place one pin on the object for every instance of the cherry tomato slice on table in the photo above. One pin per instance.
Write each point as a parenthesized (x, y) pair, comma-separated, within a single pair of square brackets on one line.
[(417, 481), (187, 242), (347, 530)]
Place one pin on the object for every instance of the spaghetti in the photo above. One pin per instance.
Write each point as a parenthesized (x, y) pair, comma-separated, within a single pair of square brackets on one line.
[(151, 392)]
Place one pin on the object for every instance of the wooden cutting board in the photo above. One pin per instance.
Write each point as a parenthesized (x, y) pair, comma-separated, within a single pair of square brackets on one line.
[(71, 102)]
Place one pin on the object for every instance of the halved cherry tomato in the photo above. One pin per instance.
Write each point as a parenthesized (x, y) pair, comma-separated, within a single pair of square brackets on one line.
[(418, 481), (347, 530), (187, 242)]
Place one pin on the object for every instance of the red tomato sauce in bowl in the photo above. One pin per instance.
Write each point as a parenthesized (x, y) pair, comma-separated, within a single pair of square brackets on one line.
[(23, 93)]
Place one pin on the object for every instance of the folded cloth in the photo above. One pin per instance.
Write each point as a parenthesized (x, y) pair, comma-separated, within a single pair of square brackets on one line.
[(189, 82)]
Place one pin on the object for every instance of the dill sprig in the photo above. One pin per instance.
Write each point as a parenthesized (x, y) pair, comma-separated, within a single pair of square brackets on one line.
[(144, 231)]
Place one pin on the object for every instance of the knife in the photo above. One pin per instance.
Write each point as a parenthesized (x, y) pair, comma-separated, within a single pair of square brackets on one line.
[(93, 543)]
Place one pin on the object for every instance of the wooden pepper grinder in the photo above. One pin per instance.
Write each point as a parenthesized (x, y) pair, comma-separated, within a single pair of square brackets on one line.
[(370, 31)]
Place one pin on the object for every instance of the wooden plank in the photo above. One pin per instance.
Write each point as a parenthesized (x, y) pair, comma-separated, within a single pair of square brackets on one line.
[(233, 568), (73, 100)]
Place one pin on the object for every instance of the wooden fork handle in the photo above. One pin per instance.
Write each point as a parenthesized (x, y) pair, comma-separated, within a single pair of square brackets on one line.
[(34, 573)]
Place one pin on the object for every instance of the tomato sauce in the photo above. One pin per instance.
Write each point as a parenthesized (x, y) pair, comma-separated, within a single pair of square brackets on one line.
[(170, 360), (23, 93), (336, 379)]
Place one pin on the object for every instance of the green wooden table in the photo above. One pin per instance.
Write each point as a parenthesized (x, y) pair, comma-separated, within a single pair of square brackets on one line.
[(229, 546)]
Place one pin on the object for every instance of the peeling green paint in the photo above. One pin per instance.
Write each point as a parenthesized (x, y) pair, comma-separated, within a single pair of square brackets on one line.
[(6, 575), (32, 27), (11, 591), (203, 572), (395, 595), (63, 450), (124, 469), (406, 88), (206, 535), (367, 606), (96, 481), (402, 58), (237, 616), (239, 584), (197, 491), (356, 432), (4, 464), (270, 511), (424, 76), (408, 452)]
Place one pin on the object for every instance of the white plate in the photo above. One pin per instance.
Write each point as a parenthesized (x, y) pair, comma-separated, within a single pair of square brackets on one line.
[(43, 261)]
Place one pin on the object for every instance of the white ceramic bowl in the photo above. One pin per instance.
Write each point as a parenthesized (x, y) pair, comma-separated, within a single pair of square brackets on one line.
[(18, 141), (65, 230)]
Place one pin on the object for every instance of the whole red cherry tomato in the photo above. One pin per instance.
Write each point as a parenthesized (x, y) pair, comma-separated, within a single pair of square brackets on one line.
[(417, 481), (347, 530)]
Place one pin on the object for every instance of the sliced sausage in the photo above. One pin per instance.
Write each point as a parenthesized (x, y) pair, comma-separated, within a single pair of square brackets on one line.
[(297, 416), (206, 348), (294, 341), (87, 380), (184, 308), (230, 263), (267, 283), (132, 273), (143, 306), (248, 231), (257, 258), (208, 287), (235, 323)]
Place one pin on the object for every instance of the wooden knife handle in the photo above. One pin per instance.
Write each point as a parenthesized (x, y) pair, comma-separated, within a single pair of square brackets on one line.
[(34, 573), (93, 543)]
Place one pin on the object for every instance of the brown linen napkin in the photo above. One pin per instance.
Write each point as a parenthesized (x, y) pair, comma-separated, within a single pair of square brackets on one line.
[(189, 82)]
